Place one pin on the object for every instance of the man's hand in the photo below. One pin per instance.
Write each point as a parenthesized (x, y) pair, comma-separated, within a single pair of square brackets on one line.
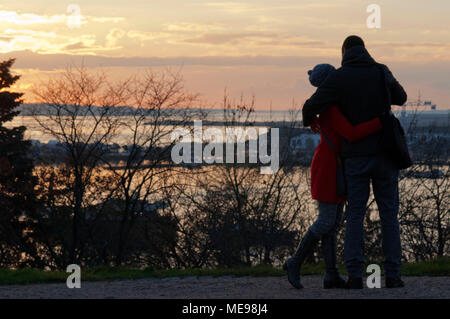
[(386, 120), (328, 94), (315, 125)]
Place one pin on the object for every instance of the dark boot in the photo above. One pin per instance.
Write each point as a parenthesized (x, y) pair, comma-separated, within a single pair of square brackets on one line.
[(293, 264), (332, 278)]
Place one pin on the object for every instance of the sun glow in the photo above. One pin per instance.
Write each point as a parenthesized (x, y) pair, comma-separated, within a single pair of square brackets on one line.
[(262, 48)]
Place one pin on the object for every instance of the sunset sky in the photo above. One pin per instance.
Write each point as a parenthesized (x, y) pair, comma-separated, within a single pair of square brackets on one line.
[(258, 47)]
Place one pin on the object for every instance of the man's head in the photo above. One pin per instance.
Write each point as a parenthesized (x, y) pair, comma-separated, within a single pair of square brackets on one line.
[(350, 42)]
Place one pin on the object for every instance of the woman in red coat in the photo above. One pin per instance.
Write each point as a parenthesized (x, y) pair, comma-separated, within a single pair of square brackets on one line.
[(332, 126)]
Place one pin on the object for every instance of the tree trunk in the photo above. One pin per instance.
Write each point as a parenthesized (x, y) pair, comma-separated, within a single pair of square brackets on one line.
[(78, 193)]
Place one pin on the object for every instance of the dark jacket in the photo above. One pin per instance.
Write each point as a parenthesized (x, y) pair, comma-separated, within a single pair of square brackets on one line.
[(358, 90)]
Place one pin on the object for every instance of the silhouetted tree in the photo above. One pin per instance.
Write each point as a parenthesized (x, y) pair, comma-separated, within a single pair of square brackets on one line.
[(88, 185), (81, 116), (16, 180)]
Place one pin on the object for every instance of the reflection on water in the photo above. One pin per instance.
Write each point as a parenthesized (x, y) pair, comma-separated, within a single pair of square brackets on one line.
[(35, 132)]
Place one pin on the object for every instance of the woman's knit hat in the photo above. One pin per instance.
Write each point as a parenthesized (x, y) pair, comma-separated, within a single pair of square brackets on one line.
[(320, 72)]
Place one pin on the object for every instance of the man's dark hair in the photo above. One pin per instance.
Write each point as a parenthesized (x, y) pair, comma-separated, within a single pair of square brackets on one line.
[(351, 41)]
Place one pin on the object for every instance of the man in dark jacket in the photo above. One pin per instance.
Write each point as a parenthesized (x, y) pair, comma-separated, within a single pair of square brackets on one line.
[(361, 89)]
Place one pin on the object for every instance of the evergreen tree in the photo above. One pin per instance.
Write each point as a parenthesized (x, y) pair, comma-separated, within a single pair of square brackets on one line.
[(16, 177)]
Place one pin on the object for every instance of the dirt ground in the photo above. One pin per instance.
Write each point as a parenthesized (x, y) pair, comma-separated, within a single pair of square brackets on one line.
[(227, 287)]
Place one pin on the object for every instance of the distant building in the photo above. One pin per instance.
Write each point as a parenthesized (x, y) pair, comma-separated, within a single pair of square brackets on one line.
[(425, 119), (305, 142)]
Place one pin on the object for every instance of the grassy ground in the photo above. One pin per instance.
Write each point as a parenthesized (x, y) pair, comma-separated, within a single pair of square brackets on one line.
[(438, 267)]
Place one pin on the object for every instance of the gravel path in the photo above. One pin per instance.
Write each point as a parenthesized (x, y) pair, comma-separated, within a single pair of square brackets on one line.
[(226, 287)]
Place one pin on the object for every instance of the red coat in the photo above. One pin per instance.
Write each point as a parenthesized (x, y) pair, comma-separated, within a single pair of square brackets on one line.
[(323, 167)]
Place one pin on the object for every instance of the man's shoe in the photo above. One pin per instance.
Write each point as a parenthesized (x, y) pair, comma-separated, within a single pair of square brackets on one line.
[(394, 282), (354, 283), (337, 282)]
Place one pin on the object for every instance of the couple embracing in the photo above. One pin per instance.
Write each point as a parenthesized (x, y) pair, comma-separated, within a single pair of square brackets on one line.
[(349, 110)]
